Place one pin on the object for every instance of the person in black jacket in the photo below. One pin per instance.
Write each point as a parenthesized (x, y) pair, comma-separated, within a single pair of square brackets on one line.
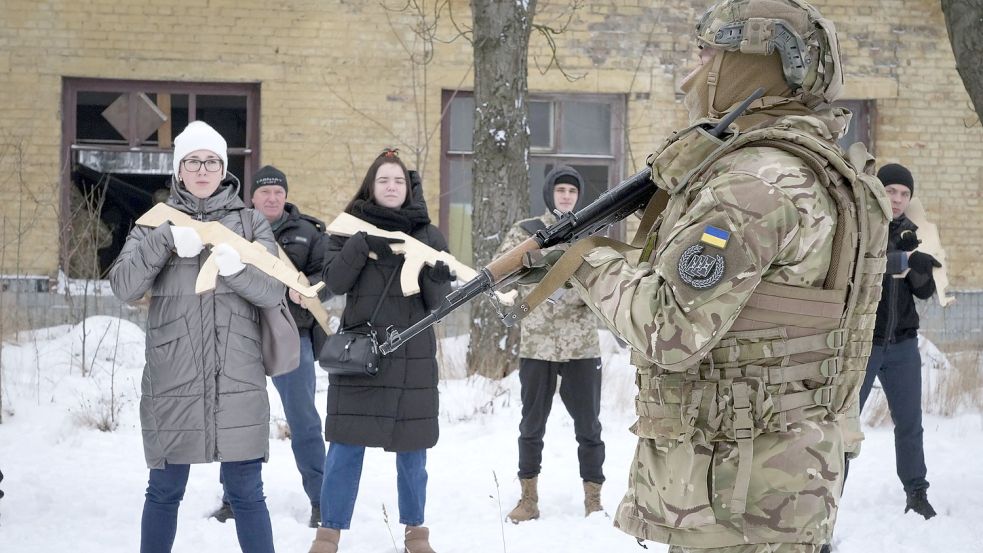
[(300, 237), (894, 358), (396, 409)]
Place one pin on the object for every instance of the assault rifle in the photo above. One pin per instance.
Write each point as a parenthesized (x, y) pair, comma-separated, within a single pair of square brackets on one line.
[(614, 205)]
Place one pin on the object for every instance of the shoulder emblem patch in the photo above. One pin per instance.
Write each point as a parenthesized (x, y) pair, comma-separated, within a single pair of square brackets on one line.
[(698, 269)]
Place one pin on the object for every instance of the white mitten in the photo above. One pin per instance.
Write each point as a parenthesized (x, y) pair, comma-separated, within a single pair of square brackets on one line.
[(227, 259), (186, 241)]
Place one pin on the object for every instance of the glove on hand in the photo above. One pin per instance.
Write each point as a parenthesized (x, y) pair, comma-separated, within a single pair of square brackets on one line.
[(922, 262), (187, 243), (227, 259), (538, 265), (441, 273), (908, 241), (380, 246)]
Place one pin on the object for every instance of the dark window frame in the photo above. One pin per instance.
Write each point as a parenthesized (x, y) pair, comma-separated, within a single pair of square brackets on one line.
[(71, 86), (615, 160)]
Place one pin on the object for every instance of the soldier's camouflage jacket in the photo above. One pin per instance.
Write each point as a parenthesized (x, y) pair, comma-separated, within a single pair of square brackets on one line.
[(749, 341), (559, 329)]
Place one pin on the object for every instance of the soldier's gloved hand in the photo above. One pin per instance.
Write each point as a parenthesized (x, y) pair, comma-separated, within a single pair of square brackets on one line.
[(227, 259), (380, 245), (187, 243), (922, 262), (538, 264), (908, 241), (441, 273)]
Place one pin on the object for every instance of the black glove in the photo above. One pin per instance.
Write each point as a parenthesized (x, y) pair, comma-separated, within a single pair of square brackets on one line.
[(380, 245), (355, 247), (922, 262), (908, 241), (441, 273), (415, 179)]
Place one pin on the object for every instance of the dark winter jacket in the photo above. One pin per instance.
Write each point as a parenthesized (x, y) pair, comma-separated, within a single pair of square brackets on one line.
[(204, 388), (396, 409), (300, 236), (897, 318)]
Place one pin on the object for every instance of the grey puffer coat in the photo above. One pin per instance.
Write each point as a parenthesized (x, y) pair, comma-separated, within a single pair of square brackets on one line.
[(204, 388)]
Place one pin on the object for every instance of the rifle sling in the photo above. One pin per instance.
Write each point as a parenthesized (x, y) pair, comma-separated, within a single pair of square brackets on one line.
[(561, 271), (570, 261)]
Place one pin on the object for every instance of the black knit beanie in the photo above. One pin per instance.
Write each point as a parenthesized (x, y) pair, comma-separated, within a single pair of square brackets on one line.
[(269, 175), (892, 173)]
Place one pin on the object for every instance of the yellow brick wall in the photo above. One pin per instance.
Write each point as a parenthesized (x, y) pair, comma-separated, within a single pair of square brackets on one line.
[(338, 84)]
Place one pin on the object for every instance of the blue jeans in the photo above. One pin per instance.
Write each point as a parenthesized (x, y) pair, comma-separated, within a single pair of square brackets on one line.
[(343, 471), (899, 368), (243, 482), (296, 390)]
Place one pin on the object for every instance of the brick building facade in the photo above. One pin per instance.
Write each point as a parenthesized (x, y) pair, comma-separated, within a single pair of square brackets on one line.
[(318, 87)]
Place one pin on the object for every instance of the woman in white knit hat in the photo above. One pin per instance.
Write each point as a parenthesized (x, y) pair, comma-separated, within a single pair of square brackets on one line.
[(204, 388)]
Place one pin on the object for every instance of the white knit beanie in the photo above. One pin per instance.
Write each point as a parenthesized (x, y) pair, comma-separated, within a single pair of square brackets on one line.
[(198, 135)]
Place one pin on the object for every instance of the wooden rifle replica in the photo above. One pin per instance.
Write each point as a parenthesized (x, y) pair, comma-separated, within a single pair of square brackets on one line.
[(251, 253), (931, 244), (417, 254), (313, 305), (611, 207)]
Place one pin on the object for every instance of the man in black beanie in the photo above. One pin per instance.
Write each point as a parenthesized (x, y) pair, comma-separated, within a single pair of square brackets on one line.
[(300, 237), (894, 357)]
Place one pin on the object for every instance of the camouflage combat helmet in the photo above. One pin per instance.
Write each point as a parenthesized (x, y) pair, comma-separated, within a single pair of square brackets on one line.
[(803, 38)]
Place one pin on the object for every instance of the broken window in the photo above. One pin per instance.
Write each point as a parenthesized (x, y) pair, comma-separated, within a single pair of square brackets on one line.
[(118, 142)]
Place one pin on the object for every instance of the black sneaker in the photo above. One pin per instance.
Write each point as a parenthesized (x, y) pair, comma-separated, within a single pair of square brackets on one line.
[(223, 513), (826, 548), (918, 502), (315, 521)]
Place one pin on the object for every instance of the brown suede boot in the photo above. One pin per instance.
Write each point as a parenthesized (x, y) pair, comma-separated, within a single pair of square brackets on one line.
[(528, 506), (416, 539), (592, 498), (326, 541)]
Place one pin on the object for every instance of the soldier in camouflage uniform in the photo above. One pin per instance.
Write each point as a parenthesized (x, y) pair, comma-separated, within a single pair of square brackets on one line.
[(750, 309), (559, 338)]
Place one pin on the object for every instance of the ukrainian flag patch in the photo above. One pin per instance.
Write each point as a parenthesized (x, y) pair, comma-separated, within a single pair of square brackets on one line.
[(715, 237)]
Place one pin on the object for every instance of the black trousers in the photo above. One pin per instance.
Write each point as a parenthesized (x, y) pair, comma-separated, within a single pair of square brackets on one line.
[(580, 391), (899, 368)]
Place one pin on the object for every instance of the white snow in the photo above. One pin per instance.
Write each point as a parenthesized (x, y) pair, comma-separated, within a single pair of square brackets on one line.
[(70, 487)]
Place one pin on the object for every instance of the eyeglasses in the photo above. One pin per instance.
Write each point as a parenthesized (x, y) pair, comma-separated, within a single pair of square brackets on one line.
[(193, 165)]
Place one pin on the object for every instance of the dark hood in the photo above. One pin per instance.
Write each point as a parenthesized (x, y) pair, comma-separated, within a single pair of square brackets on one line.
[(553, 176)]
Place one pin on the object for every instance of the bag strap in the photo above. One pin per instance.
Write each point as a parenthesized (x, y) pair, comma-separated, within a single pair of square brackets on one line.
[(247, 230), (385, 291)]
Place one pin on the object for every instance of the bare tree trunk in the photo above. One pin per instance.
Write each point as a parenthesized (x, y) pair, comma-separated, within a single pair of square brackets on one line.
[(964, 22), (501, 158)]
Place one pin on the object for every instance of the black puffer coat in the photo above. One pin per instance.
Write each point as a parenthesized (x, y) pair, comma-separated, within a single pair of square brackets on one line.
[(396, 409)]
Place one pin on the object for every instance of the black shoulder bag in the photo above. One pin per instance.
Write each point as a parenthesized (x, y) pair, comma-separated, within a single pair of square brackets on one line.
[(351, 353)]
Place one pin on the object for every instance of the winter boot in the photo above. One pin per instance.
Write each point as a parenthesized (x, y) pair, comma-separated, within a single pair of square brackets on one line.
[(918, 502), (223, 513), (417, 540), (315, 520), (592, 498), (528, 506), (326, 541)]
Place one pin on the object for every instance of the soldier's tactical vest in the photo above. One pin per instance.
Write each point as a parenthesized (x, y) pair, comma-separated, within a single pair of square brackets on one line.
[(793, 353)]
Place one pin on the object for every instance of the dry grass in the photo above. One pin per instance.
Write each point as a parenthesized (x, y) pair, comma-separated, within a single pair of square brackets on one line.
[(950, 386)]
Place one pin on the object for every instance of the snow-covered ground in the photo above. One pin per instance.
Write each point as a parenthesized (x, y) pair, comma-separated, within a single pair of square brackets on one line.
[(71, 487)]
